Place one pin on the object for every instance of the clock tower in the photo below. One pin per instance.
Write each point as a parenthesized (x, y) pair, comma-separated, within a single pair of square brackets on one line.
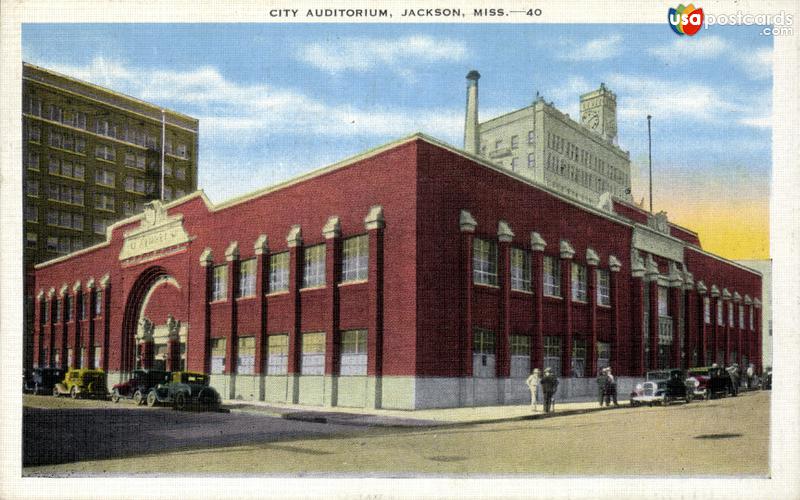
[(599, 112)]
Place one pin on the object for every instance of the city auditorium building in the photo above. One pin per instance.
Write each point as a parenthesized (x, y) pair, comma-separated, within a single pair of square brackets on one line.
[(414, 275)]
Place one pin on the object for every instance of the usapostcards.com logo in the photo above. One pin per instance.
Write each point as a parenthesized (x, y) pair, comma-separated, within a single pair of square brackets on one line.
[(685, 20)]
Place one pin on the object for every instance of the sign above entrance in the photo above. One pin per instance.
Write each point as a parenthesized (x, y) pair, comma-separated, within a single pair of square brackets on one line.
[(157, 231)]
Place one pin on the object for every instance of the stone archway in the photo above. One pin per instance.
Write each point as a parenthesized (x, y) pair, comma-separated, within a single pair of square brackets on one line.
[(139, 332)]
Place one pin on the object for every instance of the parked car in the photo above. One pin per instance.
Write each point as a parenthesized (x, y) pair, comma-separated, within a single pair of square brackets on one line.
[(186, 390), (139, 385), (766, 380), (42, 380), (710, 382), (662, 387), (82, 382)]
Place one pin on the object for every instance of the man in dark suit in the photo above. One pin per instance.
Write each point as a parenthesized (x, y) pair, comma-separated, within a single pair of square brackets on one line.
[(602, 381), (549, 385)]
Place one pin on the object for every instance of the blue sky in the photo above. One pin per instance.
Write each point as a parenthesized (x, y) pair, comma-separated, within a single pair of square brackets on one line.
[(276, 100)]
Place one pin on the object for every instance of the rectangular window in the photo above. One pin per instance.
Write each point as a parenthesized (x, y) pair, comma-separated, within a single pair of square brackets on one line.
[(353, 357), (551, 276), (180, 173), (514, 141), (483, 353), (246, 356), (520, 270), (247, 278), (167, 193), (579, 358), (32, 187), (355, 258), (484, 262), (531, 137), (52, 244), (182, 151), (34, 106), (707, 310), (33, 160), (603, 355), (81, 309), (514, 164), (531, 160), (720, 317), (603, 288), (58, 311), (578, 282), (34, 133), (219, 289), (552, 354), (663, 301), (31, 240), (43, 311), (730, 315), (279, 272), (104, 177), (218, 355), (105, 152), (741, 317), (99, 226), (520, 355), (313, 349), (314, 266), (277, 354), (98, 302), (752, 319), (103, 201)]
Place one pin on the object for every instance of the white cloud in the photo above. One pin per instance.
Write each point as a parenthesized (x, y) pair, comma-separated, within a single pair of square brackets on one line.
[(685, 48), (245, 112), (364, 54), (757, 64), (598, 49)]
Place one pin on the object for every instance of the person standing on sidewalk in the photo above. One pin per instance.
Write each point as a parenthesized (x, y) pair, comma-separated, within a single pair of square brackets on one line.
[(533, 385), (611, 388), (549, 386), (602, 381)]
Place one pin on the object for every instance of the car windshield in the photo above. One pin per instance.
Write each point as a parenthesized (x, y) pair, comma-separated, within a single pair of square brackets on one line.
[(191, 378), (657, 375)]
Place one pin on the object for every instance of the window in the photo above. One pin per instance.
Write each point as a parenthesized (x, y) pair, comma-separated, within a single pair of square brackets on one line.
[(68, 307), (730, 315), (531, 137), (33, 160), (578, 282), (218, 355), (531, 160), (663, 301), (179, 193), (579, 358), (483, 353), (34, 133), (98, 302), (32, 187), (277, 354), (552, 276), (752, 319), (514, 164), (167, 193), (552, 354), (182, 151), (741, 317), (65, 194), (219, 289), (104, 177), (514, 141), (484, 262), (353, 357), (314, 266), (58, 310), (105, 152), (246, 356), (43, 311), (180, 173), (603, 355), (520, 270), (520, 355), (167, 168), (52, 244), (31, 240), (104, 201), (135, 184), (355, 258), (603, 288), (498, 144), (33, 106), (66, 168), (131, 208), (279, 272), (247, 278), (83, 308), (99, 226), (104, 127), (707, 310), (720, 317), (31, 213), (313, 349)]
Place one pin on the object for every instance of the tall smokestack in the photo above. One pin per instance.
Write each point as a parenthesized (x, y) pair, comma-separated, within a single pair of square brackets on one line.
[(471, 138)]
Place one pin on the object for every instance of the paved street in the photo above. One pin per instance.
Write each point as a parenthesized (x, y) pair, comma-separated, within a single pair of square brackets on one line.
[(726, 436)]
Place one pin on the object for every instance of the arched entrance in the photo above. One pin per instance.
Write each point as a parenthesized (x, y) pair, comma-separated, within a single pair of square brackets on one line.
[(151, 336)]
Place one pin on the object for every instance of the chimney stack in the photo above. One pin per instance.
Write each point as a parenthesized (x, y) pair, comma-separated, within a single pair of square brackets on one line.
[(471, 137)]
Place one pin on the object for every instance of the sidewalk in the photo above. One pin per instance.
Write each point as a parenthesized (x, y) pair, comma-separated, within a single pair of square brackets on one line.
[(412, 418)]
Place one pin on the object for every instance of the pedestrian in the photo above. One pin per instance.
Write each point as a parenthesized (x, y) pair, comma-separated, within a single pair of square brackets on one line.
[(734, 376), (751, 373), (533, 384), (611, 388), (602, 381), (549, 385)]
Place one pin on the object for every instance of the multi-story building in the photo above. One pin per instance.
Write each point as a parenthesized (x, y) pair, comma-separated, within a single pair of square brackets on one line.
[(540, 143), (93, 156), (765, 268), (423, 276)]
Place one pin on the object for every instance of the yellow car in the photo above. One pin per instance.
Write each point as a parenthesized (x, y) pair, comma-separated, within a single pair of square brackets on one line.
[(82, 382)]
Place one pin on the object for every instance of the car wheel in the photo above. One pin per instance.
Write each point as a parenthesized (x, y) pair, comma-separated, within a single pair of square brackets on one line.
[(74, 392), (689, 397), (151, 399), (138, 398), (115, 395), (180, 401), (55, 392)]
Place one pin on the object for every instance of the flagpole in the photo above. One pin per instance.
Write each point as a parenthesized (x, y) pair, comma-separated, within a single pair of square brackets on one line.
[(163, 148), (650, 161)]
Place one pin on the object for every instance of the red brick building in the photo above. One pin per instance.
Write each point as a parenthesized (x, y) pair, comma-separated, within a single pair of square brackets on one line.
[(414, 275)]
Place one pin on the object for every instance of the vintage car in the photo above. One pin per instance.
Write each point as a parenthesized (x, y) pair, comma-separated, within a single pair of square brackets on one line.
[(82, 383), (139, 385), (42, 380), (662, 387), (186, 390), (710, 382)]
